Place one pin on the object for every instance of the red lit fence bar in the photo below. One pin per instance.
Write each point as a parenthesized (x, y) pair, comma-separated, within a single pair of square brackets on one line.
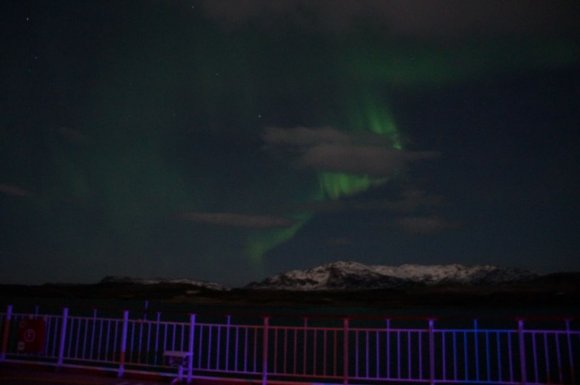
[(329, 351)]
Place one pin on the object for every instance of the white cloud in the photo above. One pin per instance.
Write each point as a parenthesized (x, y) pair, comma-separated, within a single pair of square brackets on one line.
[(328, 149)]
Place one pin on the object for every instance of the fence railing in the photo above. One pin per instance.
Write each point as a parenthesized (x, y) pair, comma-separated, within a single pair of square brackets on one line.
[(335, 352)]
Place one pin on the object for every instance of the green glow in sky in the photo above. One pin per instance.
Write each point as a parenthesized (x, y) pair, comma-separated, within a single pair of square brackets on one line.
[(421, 65), (336, 185), (260, 243), (373, 118)]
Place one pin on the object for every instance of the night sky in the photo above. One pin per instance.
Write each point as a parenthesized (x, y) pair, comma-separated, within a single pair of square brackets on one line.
[(229, 140)]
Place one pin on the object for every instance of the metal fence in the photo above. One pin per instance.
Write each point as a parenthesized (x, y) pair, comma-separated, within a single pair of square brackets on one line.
[(333, 351)]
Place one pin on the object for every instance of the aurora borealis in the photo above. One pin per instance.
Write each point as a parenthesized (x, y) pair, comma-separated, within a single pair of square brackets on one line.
[(227, 140)]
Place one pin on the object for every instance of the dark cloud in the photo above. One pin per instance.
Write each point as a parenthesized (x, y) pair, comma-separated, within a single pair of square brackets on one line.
[(367, 160), (313, 136), (424, 225), (410, 201), (426, 19), (14, 190), (238, 220), (328, 149)]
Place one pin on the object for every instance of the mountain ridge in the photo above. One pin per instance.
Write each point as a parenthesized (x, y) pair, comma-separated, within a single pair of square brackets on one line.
[(349, 275), (125, 280)]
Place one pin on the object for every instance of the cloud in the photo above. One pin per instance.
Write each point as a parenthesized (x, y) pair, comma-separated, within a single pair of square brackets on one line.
[(238, 220), (328, 149), (368, 160), (425, 19), (14, 190), (426, 225), (410, 201)]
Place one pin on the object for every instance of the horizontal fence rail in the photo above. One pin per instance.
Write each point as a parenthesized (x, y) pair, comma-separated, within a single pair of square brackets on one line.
[(336, 351)]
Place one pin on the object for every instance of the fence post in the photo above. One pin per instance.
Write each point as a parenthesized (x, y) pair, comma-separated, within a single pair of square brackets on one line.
[(265, 347), (388, 346), (522, 348), (570, 354), (345, 347), (228, 326), (476, 344), (191, 347), (123, 349), (62, 345), (6, 333), (431, 352)]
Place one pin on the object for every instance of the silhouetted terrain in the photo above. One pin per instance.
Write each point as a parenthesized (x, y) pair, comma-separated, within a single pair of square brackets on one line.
[(553, 289)]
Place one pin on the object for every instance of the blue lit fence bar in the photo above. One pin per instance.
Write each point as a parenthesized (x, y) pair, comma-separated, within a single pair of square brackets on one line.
[(330, 351)]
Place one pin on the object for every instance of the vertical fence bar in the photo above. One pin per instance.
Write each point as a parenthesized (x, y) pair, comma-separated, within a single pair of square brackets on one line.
[(276, 350), (285, 350), (295, 351), (157, 327), (465, 355), (570, 356), (191, 347), (228, 325), (85, 336), (6, 332), (345, 347), (123, 348), (93, 333), (367, 355), (356, 361), (431, 352), (209, 345), (107, 350), (476, 348), (377, 355), (409, 351), (78, 337), (388, 347), (498, 350), (510, 356), (522, 346), (547, 358), (487, 359), (236, 350), (255, 350), (455, 363), (62, 343), (398, 354), (304, 345), (265, 347), (558, 357)]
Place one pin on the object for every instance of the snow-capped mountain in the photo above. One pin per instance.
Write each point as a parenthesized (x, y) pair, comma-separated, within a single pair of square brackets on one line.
[(178, 281), (354, 275)]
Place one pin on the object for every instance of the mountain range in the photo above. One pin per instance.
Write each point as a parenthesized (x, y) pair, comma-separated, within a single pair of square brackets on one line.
[(353, 275), (357, 276)]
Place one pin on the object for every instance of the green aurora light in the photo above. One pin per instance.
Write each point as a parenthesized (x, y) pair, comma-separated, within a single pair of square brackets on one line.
[(197, 77)]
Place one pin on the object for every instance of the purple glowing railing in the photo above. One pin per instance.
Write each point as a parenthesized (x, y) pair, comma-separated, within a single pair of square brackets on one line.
[(332, 351)]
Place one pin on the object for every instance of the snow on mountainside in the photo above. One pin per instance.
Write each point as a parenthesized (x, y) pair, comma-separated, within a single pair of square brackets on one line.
[(354, 275), (179, 281)]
